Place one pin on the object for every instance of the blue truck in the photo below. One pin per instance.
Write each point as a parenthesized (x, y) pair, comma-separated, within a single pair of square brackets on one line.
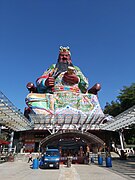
[(51, 159)]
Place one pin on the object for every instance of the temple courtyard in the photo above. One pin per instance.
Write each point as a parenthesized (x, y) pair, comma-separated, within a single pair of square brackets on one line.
[(19, 170)]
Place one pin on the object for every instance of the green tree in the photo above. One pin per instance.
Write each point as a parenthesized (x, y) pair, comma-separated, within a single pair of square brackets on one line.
[(127, 97), (113, 108), (125, 100)]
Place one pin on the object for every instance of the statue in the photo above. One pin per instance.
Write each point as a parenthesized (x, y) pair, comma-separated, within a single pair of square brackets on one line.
[(63, 76), (63, 88)]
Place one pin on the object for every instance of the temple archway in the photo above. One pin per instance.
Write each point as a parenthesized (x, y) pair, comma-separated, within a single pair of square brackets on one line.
[(87, 137)]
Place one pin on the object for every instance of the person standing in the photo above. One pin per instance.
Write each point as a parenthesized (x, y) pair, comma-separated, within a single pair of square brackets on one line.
[(30, 157)]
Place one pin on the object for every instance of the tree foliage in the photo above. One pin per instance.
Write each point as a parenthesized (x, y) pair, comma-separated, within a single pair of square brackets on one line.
[(125, 100)]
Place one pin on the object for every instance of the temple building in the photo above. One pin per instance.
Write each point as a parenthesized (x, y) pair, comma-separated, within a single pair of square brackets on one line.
[(62, 112)]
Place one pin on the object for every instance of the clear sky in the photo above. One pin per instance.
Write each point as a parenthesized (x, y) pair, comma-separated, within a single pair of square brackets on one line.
[(100, 34)]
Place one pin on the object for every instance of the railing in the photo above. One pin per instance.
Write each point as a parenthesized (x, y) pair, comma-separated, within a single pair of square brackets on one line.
[(6, 150), (127, 151)]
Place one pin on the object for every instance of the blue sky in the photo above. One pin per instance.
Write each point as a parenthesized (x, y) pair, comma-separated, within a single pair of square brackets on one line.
[(100, 34)]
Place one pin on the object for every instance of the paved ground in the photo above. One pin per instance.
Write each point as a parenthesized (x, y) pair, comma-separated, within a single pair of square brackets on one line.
[(126, 168), (121, 170)]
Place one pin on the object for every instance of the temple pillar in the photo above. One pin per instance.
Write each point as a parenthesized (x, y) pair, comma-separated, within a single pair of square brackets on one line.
[(11, 141), (121, 140), (0, 128)]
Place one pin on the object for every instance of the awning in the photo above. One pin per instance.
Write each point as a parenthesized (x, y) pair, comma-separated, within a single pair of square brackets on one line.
[(12, 117), (4, 142), (123, 120)]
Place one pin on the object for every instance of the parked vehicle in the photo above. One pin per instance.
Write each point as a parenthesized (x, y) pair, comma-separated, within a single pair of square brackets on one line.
[(51, 159)]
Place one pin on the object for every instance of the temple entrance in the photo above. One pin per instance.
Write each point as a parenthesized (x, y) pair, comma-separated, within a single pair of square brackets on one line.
[(73, 143)]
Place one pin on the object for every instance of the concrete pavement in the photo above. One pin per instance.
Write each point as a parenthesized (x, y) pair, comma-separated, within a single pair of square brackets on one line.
[(22, 171)]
